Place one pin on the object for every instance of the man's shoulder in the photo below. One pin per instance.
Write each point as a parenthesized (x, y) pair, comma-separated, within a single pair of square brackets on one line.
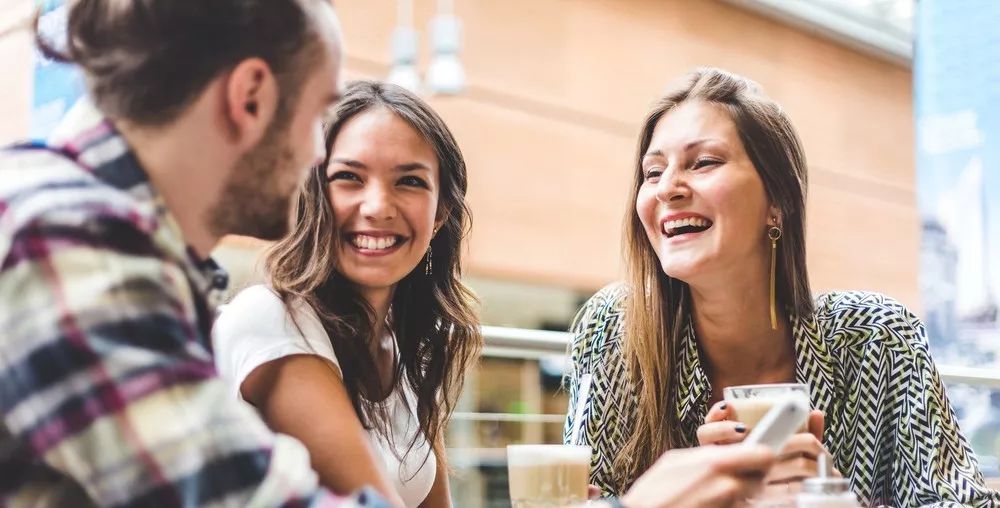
[(25, 169), (46, 195)]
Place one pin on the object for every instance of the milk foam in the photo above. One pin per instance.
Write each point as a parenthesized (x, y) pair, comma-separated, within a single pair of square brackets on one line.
[(532, 455)]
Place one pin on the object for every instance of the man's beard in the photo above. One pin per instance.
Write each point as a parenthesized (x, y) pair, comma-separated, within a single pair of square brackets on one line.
[(254, 201)]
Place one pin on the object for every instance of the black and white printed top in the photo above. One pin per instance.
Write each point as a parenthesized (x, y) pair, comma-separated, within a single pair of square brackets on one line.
[(864, 356)]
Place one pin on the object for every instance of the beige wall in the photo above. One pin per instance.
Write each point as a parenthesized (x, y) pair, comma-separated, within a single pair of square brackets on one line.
[(557, 91), (16, 59)]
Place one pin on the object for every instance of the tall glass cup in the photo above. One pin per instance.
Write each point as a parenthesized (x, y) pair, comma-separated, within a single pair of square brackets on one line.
[(751, 402), (548, 476)]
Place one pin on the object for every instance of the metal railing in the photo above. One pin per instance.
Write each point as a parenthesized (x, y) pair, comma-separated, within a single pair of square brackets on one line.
[(523, 343), (531, 344), (527, 344)]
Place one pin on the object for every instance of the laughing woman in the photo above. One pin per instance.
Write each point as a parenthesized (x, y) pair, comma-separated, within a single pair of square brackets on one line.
[(718, 295), (357, 344)]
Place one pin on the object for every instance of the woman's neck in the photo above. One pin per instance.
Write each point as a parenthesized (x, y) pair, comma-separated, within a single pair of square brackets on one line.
[(380, 300), (384, 352), (733, 325)]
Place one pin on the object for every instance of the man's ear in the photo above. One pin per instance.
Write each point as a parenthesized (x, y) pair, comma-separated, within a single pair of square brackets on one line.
[(251, 101)]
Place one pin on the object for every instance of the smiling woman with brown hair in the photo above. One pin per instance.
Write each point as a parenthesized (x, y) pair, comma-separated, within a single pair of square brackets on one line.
[(364, 331), (717, 295)]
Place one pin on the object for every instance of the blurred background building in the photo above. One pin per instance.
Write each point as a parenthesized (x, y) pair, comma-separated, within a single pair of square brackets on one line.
[(546, 98), (957, 89)]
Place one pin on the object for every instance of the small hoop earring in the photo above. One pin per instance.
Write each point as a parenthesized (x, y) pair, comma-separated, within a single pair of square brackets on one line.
[(774, 233)]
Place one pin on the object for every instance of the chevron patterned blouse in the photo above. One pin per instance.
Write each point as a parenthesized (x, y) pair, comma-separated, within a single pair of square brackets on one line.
[(864, 356)]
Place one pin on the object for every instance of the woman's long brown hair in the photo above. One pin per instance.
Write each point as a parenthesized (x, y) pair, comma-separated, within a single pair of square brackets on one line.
[(658, 307), (434, 316)]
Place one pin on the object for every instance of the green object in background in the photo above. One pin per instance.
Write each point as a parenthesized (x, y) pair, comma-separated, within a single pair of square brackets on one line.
[(517, 407)]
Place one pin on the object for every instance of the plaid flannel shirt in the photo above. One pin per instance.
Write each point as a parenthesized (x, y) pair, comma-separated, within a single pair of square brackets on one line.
[(108, 392)]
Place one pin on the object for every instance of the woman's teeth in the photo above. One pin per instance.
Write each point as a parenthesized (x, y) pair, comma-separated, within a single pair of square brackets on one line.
[(374, 242), (685, 225)]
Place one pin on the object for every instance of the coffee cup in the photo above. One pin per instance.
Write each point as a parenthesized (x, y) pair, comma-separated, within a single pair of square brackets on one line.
[(548, 476), (750, 403)]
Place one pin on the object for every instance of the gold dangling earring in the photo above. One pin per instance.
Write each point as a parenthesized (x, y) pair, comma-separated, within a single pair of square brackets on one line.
[(774, 233)]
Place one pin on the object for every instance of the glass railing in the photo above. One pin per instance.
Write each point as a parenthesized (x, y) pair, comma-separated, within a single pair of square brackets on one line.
[(515, 396)]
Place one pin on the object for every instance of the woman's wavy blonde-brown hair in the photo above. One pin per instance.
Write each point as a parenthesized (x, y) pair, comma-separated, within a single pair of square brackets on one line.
[(658, 307), (434, 316)]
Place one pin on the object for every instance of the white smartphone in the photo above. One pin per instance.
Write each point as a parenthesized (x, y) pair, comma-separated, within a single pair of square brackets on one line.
[(778, 425)]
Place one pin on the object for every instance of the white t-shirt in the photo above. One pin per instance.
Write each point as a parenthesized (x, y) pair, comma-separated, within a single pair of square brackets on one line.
[(255, 328)]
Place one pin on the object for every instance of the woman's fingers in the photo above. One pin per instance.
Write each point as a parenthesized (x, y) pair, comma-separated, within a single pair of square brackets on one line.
[(803, 444), (593, 492), (724, 432), (718, 412), (718, 427), (798, 459), (817, 423)]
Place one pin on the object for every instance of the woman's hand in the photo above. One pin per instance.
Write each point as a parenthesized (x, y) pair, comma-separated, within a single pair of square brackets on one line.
[(797, 461), (593, 491), (719, 427), (706, 476), (800, 457)]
